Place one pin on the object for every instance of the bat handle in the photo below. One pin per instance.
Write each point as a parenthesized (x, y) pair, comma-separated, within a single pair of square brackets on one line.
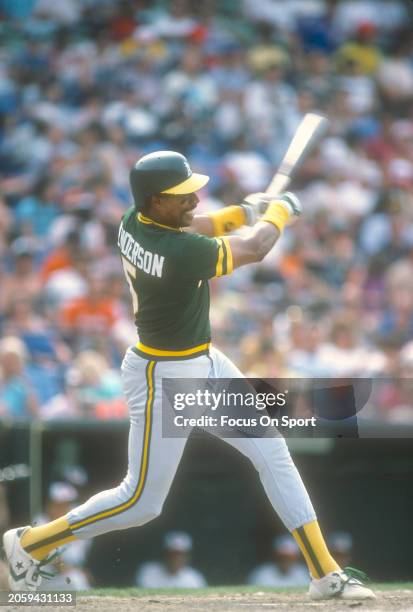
[(278, 184)]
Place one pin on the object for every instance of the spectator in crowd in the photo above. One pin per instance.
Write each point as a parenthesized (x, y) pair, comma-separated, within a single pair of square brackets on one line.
[(90, 389), (361, 52), (35, 213), (23, 281), (344, 354), (306, 336), (90, 315), (284, 569), (95, 389), (393, 395), (174, 571), (17, 399)]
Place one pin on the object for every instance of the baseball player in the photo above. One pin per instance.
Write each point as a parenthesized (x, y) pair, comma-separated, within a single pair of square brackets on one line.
[(169, 254)]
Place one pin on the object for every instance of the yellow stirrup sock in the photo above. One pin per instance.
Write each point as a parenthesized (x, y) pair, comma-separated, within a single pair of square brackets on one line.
[(39, 541), (316, 554)]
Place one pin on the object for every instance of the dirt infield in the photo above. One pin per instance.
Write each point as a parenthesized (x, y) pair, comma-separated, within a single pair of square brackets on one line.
[(401, 600)]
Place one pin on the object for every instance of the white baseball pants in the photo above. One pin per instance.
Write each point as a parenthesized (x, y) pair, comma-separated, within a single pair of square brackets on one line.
[(153, 459)]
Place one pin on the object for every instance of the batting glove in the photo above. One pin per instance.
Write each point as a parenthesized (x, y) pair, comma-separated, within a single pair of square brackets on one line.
[(255, 205)]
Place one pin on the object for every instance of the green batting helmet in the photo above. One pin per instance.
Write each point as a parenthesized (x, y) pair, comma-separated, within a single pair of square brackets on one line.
[(163, 172)]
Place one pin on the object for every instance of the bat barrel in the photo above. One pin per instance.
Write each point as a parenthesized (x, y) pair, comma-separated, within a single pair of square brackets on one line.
[(309, 132)]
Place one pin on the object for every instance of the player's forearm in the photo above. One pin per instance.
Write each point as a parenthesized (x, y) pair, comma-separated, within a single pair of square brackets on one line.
[(259, 241), (202, 224), (264, 236), (266, 232), (253, 246)]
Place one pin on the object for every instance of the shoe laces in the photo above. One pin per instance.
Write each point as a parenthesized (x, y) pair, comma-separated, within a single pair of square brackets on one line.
[(39, 570), (355, 574), (349, 575)]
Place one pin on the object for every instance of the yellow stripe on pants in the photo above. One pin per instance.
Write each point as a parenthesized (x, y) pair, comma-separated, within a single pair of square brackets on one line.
[(145, 458)]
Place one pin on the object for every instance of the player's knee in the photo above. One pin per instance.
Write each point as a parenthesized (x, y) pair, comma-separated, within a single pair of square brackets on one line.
[(154, 510), (150, 515), (259, 463), (271, 455), (144, 514)]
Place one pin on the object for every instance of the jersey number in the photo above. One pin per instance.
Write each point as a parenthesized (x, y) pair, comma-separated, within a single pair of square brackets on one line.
[(130, 273)]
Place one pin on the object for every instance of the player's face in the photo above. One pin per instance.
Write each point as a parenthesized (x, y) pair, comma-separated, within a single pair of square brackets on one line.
[(177, 210)]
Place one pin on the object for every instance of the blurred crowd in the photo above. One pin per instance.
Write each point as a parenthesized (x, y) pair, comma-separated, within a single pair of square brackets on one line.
[(87, 87)]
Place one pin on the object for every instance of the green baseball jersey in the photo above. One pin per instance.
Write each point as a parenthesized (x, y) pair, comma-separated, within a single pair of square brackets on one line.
[(167, 270)]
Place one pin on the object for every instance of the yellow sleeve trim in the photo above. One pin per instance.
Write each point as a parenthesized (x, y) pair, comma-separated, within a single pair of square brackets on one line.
[(218, 269), (225, 264), (230, 263)]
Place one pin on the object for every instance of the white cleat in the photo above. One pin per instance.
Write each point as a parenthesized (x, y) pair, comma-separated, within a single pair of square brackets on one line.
[(341, 585), (25, 572)]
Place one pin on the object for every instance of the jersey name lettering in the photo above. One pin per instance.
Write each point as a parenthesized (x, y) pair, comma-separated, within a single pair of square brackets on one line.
[(149, 262)]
